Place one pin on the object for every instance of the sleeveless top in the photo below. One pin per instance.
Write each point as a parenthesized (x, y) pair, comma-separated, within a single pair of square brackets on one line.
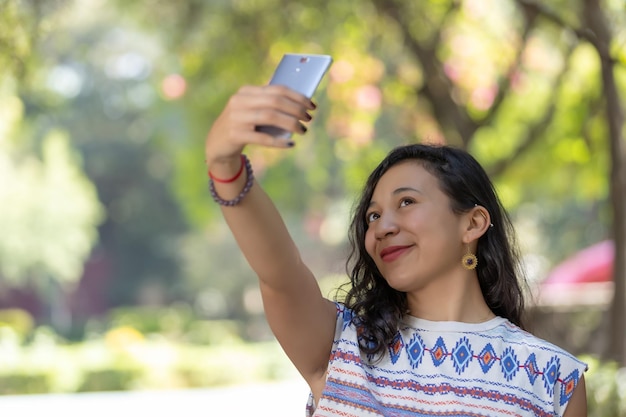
[(447, 369)]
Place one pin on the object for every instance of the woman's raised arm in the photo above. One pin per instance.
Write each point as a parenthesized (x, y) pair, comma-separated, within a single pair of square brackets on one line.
[(301, 319)]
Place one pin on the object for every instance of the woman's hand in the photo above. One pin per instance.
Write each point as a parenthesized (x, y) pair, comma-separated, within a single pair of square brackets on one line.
[(254, 106)]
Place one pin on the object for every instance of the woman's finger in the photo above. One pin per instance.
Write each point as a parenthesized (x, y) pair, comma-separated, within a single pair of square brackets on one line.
[(272, 97), (263, 139), (278, 90), (290, 94), (268, 117)]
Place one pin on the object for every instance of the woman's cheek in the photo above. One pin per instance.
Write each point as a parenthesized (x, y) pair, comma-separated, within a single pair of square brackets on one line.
[(370, 243)]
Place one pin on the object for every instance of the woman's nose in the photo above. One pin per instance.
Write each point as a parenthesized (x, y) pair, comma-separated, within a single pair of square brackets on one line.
[(385, 226)]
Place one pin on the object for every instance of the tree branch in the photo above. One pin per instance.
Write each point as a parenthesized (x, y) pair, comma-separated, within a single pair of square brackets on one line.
[(595, 19), (437, 86), (504, 85), (586, 34), (537, 130)]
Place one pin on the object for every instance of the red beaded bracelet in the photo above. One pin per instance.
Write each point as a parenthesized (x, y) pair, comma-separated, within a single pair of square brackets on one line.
[(244, 191), (233, 179)]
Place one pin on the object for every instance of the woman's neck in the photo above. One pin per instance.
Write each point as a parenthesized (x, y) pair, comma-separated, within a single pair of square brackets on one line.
[(457, 298)]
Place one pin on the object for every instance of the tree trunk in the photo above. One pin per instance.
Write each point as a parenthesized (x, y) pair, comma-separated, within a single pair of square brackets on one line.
[(598, 24)]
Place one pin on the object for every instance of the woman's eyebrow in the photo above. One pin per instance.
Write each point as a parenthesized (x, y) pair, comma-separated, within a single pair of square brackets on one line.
[(404, 189), (398, 191)]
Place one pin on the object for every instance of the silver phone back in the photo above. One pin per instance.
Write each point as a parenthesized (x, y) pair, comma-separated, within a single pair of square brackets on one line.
[(301, 73)]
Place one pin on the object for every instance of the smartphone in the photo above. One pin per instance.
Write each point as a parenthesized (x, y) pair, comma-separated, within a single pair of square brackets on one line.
[(301, 73)]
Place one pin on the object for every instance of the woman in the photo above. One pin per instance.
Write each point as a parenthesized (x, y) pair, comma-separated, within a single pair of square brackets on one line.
[(431, 323)]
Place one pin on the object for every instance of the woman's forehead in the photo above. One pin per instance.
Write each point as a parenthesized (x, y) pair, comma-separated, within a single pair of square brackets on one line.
[(409, 172)]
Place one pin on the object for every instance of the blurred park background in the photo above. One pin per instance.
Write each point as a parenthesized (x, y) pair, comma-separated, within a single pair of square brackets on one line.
[(117, 272)]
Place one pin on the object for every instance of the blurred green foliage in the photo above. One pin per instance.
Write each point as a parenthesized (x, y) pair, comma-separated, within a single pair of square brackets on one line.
[(26, 382), (45, 201), (108, 380), (124, 359), (20, 321), (104, 107), (606, 388)]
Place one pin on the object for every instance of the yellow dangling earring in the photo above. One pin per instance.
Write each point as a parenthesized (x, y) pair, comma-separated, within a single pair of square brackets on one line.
[(469, 260)]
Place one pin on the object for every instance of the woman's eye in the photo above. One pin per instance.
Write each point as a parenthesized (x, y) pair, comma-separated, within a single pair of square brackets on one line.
[(406, 202), (371, 217)]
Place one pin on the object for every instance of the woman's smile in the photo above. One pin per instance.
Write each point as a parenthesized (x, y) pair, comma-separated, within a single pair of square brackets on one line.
[(391, 253)]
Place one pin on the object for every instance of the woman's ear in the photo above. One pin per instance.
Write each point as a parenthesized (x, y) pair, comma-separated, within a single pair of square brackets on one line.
[(479, 221)]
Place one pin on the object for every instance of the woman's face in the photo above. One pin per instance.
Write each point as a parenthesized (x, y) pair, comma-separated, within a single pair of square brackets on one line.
[(413, 235)]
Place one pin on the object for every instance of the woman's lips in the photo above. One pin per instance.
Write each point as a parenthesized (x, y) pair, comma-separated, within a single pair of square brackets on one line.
[(392, 253)]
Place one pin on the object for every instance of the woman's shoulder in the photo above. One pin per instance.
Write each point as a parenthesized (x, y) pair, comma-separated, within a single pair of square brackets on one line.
[(531, 346), (514, 334), (345, 315)]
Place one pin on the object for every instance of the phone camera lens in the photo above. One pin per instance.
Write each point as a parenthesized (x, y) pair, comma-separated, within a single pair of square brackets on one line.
[(304, 59)]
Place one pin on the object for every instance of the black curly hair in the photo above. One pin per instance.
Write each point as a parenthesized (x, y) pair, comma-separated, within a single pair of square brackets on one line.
[(377, 308)]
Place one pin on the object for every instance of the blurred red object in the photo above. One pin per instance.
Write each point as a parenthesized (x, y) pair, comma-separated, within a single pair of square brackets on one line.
[(592, 264), (585, 278)]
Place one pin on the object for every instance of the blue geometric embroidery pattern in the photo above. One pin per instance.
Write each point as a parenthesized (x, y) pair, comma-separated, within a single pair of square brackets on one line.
[(551, 374), (531, 368), (568, 385), (439, 352), (462, 355), (415, 349), (487, 358), (453, 384), (347, 318), (395, 349), (509, 363)]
